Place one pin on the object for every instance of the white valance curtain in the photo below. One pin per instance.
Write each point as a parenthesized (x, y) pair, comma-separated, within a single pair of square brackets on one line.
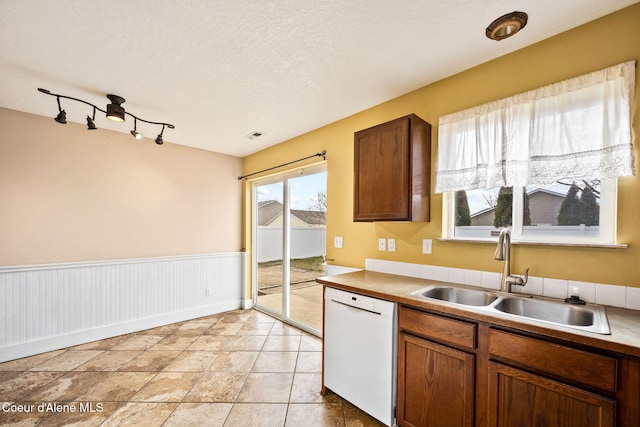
[(574, 129)]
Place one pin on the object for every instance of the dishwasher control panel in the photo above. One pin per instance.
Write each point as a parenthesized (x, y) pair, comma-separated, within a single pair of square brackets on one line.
[(359, 301)]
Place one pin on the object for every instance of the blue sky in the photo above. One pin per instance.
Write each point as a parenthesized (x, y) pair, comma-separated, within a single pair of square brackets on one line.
[(303, 190)]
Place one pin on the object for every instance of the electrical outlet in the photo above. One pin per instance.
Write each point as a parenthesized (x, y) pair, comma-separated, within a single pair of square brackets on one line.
[(337, 242), (391, 245), (427, 246), (207, 292), (382, 244)]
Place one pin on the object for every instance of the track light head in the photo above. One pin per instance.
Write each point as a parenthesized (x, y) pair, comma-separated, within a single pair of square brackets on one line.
[(115, 111), (134, 132), (90, 124), (90, 121), (61, 117), (159, 140)]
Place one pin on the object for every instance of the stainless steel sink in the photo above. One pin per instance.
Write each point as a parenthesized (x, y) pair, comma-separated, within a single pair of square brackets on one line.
[(459, 295), (549, 311), (588, 317)]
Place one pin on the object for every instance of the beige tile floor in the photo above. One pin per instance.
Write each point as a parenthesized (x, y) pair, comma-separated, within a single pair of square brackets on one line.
[(241, 368)]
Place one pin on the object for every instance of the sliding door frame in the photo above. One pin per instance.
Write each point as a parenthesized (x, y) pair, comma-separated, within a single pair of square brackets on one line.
[(283, 177)]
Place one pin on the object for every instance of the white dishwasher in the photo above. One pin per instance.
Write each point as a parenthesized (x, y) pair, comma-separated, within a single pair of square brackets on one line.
[(360, 351)]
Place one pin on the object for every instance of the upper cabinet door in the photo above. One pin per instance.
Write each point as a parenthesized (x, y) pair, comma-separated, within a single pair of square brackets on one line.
[(392, 168)]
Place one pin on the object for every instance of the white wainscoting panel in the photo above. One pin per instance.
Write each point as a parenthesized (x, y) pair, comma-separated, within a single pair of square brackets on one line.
[(46, 307)]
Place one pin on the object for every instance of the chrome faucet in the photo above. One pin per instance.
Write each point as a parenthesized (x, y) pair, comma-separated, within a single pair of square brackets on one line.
[(503, 253)]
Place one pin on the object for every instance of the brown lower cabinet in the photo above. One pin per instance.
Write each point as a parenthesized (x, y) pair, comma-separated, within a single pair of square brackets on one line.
[(520, 398), (435, 376), (458, 372)]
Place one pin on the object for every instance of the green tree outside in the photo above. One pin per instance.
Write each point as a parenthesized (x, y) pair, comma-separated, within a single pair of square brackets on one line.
[(526, 220), (571, 210), (463, 214), (503, 216), (590, 210), (504, 208)]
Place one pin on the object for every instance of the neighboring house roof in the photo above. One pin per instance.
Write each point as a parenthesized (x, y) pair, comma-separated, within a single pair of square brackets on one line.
[(484, 211), (534, 191), (311, 217), (541, 212), (544, 190), (269, 210)]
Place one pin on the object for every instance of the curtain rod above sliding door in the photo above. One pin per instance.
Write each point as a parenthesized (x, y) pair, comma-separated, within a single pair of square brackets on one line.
[(322, 154)]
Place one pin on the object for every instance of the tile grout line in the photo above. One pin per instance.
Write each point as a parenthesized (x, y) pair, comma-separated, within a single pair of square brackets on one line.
[(241, 340)]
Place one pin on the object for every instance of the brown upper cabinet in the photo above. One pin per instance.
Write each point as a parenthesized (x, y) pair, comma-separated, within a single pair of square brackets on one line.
[(392, 179)]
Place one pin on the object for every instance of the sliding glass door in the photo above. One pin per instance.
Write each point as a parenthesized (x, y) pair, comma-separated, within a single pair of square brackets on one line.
[(289, 246)]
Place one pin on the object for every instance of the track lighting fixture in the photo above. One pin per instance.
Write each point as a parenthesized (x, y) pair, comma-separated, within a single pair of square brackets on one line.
[(115, 111), (159, 140), (134, 132)]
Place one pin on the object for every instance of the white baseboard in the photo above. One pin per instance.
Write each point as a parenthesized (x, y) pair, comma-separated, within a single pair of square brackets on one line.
[(83, 337)]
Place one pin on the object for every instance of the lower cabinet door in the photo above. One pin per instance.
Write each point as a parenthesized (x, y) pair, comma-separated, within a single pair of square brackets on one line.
[(435, 384), (519, 398)]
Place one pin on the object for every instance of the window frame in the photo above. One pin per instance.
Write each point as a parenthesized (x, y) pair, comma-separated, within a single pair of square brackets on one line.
[(608, 221)]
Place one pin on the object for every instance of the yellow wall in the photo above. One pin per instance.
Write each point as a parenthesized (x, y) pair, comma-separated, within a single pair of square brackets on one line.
[(607, 41)]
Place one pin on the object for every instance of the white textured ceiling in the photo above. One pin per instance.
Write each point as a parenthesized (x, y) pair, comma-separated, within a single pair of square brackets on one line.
[(221, 69)]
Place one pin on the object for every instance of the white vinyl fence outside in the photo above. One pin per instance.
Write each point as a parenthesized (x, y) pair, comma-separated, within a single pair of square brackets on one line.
[(305, 243), (487, 231)]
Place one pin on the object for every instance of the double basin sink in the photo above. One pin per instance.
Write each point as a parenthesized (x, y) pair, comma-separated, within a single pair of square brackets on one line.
[(587, 317)]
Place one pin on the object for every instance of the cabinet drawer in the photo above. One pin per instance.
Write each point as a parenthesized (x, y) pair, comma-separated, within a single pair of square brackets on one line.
[(558, 360), (454, 332)]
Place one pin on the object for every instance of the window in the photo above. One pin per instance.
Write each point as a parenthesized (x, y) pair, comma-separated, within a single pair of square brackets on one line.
[(575, 129), (544, 162), (572, 212)]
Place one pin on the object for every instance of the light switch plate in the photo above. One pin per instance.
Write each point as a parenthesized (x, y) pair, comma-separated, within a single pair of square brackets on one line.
[(337, 242), (391, 245), (382, 244), (427, 246)]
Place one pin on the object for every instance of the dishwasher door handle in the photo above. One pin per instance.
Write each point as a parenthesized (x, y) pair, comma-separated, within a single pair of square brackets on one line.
[(356, 308)]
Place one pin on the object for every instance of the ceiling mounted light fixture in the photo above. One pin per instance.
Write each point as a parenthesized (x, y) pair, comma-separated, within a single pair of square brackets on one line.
[(506, 26), (115, 111)]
